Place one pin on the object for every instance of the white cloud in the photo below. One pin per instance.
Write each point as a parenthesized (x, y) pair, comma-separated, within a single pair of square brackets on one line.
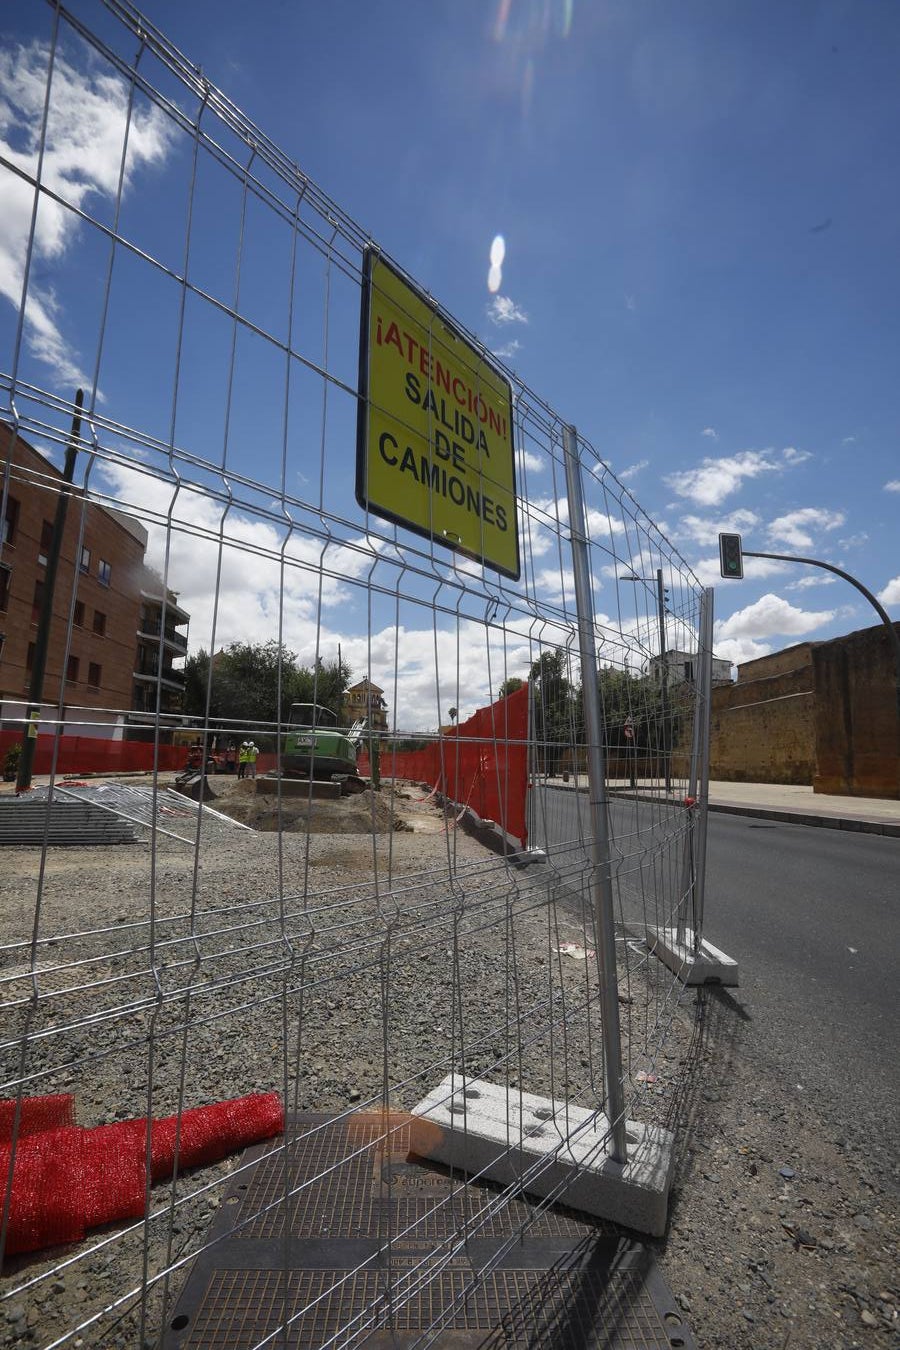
[(502, 310), (705, 530), (86, 127), (848, 440), (794, 456), (771, 615), (601, 525), (509, 351), (806, 583), (527, 459), (422, 671), (715, 479), (755, 569), (891, 593), (710, 432), (854, 540), (797, 527), (893, 485), (556, 587), (632, 470), (738, 650), (630, 303)]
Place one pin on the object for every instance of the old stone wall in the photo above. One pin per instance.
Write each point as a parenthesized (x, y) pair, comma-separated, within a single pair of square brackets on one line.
[(856, 715), (763, 727), (777, 663), (820, 712)]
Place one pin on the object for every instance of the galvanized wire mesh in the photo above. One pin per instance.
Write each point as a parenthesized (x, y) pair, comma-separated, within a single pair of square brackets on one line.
[(347, 972)]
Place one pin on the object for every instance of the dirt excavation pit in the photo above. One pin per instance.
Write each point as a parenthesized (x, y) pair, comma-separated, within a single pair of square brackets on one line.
[(361, 813)]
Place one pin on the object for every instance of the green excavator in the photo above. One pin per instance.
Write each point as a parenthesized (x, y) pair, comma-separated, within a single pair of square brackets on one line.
[(316, 747)]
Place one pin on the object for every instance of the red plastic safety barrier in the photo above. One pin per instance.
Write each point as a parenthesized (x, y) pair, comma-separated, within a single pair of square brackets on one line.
[(67, 1180), (96, 754), (482, 763)]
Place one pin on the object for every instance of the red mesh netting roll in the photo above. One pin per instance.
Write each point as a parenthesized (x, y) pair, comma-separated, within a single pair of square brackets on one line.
[(68, 1180), (45, 1204), (208, 1133), (36, 1114)]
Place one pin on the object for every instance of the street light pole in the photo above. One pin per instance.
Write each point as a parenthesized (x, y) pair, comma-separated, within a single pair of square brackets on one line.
[(663, 669), (664, 677)]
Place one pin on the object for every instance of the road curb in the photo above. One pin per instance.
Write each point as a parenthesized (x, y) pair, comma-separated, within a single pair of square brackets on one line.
[(852, 824), (884, 827)]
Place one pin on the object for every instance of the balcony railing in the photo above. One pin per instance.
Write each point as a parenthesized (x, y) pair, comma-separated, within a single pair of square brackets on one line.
[(149, 628), (149, 670)]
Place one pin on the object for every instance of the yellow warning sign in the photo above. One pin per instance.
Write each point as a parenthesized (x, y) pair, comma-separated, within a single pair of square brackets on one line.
[(435, 433)]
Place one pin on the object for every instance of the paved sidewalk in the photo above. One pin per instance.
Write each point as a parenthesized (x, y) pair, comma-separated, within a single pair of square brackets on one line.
[(781, 801), (785, 801)]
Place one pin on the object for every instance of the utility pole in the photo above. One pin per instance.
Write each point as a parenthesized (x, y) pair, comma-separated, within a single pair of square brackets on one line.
[(42, 637), (664, 677), (663, 669)]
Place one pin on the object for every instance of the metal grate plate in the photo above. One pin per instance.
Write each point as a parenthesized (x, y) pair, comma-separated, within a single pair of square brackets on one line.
[(339, 1236)]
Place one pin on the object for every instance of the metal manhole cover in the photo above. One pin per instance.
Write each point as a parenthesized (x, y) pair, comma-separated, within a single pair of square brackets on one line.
[(337, 1236)]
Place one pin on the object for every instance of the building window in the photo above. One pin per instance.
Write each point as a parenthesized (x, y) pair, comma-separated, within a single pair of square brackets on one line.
[(46, 542), (79, 614), (99, 623), (104, 572), (72, 670), (94, 675), (85, 560), (9, 522), (5, 574), (37, 601)]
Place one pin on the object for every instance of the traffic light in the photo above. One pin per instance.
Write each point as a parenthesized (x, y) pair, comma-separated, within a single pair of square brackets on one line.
[(731, 562)]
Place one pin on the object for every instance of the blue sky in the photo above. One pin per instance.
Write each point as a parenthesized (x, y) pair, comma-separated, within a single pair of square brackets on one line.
[(701, 215)]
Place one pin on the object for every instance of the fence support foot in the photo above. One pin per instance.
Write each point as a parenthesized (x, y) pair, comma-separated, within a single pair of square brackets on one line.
[(550, 1148), (708, 966)]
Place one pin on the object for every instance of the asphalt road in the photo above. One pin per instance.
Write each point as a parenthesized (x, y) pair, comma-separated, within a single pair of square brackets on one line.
[(811, 916)]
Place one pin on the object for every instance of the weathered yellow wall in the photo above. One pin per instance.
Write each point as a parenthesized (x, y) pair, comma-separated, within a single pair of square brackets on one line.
[(856, 715), (763, 667), (821, 712), (763, 730), (763, 727)]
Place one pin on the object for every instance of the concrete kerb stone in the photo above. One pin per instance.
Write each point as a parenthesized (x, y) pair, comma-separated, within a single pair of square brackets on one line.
[(860, 826), (857, 824), (550, 1148)]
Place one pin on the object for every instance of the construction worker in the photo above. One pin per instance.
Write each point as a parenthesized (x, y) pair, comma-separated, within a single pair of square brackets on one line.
[(243, 759), (252, 753)]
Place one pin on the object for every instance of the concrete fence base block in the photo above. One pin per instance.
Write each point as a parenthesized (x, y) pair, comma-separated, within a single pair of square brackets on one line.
[(550, 1148), (708, 966), (534, 855)]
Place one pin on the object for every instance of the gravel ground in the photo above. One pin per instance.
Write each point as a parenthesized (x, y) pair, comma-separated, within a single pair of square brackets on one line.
[(780, 1235)]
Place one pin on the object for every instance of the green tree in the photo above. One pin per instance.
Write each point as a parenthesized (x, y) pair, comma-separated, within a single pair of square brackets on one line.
[(625, 696), (510, 686), (243, 685), (555, 707)]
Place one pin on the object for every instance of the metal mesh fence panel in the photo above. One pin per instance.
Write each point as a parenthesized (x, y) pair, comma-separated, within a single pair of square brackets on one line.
[(326, 954)]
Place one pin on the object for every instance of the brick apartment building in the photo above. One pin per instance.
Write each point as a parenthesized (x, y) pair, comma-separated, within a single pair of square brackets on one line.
[(119, 642)]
